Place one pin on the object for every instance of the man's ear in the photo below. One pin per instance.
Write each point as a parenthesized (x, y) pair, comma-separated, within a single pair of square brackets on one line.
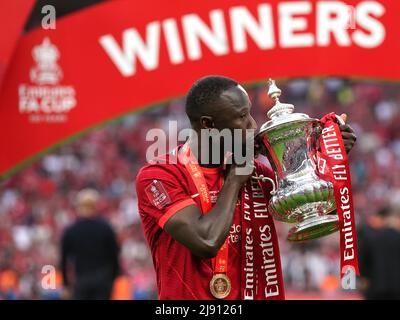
[(206, 122)]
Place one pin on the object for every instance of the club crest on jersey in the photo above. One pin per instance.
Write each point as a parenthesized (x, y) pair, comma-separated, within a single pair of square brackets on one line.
[(157, 194)]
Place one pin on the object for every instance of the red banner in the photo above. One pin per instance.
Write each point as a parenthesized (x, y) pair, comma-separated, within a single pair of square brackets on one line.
[(122, 55), (13, 15)]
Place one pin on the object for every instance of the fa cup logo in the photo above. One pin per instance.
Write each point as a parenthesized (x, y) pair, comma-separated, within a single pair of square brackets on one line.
[(45, 98), (46, 70)]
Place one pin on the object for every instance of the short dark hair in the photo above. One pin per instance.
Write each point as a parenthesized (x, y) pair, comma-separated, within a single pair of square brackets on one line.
[(205, 92)]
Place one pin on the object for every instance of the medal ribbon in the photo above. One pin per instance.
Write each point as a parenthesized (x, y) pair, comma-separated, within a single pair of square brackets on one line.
[(220, 262), (333, 165)]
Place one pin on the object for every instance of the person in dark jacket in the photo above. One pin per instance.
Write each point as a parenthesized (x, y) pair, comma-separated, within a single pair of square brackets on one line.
[(89, 252), (379, 256)]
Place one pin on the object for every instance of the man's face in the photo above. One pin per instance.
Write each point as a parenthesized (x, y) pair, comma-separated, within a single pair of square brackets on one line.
[(233, 110), (234, 113)]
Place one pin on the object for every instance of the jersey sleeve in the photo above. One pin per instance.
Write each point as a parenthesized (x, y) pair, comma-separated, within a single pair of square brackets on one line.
[(160, 194)]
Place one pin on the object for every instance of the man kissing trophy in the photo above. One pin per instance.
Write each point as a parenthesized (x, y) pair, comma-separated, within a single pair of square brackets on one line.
[(313, 186)]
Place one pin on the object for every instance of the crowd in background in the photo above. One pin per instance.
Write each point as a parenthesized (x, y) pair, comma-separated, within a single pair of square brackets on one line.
[(38, 203)]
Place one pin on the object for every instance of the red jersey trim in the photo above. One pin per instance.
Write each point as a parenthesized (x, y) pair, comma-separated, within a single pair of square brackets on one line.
[(174, 209)]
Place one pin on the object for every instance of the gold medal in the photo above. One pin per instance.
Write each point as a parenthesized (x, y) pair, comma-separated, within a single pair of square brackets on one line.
[(220, 286)]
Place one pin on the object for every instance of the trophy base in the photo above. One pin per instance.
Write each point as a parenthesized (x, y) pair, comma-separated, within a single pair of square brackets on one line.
[(313, 228)]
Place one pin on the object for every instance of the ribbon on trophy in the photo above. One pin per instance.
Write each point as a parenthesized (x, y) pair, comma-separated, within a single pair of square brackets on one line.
[(333, 166), (261, 277)]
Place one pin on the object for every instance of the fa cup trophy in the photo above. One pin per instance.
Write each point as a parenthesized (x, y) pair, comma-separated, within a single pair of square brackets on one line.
[(299, 195)]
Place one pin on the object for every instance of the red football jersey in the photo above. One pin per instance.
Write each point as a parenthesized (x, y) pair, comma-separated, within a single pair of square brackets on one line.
[(163, 190)]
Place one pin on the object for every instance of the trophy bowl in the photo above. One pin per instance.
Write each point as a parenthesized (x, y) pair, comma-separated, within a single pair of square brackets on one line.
[(299, 195)]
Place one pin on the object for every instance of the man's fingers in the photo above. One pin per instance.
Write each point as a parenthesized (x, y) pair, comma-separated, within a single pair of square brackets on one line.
[(349, 135), (346, 128)]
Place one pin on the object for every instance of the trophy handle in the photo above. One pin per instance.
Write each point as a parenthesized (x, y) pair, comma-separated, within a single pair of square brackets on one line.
[(262, 178)]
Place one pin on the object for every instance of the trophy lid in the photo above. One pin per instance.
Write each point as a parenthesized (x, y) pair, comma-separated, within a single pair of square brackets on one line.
[(281, 113)]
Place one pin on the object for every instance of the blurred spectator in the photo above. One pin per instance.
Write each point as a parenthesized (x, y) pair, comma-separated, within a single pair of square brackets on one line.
[(89, 252), (379, 255)]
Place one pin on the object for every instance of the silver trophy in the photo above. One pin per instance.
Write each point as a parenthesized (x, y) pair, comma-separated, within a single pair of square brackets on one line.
[(299, 195)]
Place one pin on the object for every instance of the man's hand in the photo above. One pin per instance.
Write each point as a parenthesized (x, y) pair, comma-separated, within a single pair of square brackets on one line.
[(348, 134), (242, 171), (240, 174)]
